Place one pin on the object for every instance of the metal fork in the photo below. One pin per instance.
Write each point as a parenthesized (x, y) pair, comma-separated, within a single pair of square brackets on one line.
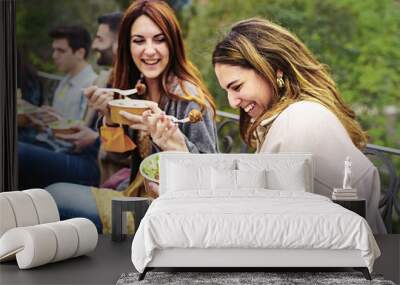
[(176, 121), (119, 91)]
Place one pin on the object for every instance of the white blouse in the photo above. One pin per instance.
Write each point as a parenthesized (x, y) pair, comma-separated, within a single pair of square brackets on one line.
[(310, 127)]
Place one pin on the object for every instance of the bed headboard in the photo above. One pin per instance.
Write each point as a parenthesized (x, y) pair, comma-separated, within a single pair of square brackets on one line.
[(283, 163)]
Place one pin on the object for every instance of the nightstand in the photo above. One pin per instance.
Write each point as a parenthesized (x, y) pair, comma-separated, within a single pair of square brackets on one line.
[(358, 206), (137, 205)]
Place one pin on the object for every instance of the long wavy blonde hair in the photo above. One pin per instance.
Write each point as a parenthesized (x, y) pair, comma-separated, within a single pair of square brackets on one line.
[(266, 47)]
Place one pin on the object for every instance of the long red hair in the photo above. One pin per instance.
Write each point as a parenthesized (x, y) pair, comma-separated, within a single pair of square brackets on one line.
[(126, 74)]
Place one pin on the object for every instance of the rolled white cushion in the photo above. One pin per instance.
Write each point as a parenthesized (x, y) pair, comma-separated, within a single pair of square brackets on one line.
[(26, 208), (67, 240), (23, 208), (87, 235), (37, 245), (45, 205), (7, 218), (33, 246)]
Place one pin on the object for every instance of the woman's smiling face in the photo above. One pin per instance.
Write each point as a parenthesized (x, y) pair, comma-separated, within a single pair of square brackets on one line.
[(149, 48), (246, 88)]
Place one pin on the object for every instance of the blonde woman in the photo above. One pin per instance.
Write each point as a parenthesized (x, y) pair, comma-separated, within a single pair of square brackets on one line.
[(289, 103)]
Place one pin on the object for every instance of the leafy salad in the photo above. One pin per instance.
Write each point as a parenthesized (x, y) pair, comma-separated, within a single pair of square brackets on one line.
[(65, 124), (150, 167)]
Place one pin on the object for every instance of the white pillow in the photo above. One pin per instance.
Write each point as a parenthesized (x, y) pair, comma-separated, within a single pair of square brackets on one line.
[(281, 174), (292, 179), (223, 179), (183, 177), (251, 178), (228, 179)]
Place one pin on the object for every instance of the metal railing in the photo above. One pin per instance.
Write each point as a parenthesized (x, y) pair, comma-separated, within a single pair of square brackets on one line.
[(389, 205), (49, 76)]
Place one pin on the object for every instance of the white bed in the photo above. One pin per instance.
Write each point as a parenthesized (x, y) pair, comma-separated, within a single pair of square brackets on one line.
[(215, 223)]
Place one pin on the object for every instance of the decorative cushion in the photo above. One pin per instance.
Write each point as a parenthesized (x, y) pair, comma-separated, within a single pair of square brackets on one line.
[(45, 205), (26, 208), (34, 244), (223, 179), (24, 211), (187, 171), (40, 244), (293, 179), (67, 237), (7, 218), (289, 171), (185, 177), (87, 235), (227, 179), (284, 174), (251, 178)]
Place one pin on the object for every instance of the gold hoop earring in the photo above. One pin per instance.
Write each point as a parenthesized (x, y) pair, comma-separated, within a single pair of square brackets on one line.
[(140, 86)]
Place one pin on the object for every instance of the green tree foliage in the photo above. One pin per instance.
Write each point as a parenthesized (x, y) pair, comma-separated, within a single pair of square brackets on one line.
[(358, 40), (175, 4), (36, 18), (179, 7)]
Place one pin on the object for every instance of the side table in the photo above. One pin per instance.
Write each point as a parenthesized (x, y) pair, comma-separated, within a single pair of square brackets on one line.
[(137, 205), (358, 206)]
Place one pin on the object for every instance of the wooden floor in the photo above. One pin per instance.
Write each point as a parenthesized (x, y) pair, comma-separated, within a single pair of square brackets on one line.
[(110, 259)]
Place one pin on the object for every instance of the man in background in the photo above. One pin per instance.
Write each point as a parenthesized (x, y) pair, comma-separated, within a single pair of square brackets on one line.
[(106, 44), (106, 40), (71, 47), (44, 158)]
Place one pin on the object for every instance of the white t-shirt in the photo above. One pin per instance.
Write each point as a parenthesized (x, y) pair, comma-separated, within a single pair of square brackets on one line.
[(310, 127), (69, 100)]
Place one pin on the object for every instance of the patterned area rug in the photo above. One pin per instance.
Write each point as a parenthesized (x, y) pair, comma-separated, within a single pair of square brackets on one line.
[(269, 278)]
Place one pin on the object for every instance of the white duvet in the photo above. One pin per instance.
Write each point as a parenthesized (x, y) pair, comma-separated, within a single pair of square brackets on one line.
[(253, 218)]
